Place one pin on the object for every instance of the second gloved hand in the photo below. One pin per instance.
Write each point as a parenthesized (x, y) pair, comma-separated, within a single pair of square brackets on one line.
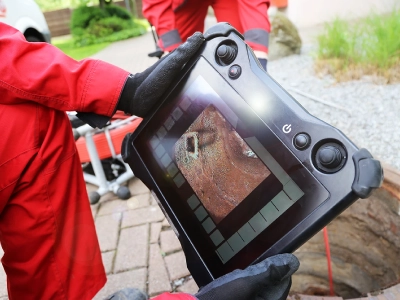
[(145, 89), (267, 280)]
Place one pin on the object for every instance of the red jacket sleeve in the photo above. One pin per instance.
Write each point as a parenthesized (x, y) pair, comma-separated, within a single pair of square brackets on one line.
[(42, 73)]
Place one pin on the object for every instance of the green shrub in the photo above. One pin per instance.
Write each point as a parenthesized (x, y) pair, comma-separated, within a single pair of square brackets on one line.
[(117, 11), (90, 25), (83, 16), (85, 39), (107, 26)]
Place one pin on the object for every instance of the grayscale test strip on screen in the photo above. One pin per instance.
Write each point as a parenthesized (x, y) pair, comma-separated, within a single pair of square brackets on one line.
[(234, 187)]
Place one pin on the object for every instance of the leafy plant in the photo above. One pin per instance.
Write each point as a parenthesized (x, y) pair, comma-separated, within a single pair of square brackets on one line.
[(83, 16), (117, 11), (91, 25)]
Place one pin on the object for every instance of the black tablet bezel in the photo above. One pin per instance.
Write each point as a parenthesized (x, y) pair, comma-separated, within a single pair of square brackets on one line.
[(262, 138)]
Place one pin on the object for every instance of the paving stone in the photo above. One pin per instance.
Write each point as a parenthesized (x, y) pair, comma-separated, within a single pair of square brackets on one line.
[(95, 209), (137, 187), (189, 287), (91, 188), (108, 258), (155, 230), (138, 201), (165, 223), (132, 248), (107, 228), (152, 200), (112, 207), (143, 215), (176, 265), (158, 280), (118, 205), (169, 241), (115, 282)]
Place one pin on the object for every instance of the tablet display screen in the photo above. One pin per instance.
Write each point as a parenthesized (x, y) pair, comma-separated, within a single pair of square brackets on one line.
[(235, 188)]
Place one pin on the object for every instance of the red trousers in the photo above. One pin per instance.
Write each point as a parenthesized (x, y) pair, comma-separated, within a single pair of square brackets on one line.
[(247, 16)]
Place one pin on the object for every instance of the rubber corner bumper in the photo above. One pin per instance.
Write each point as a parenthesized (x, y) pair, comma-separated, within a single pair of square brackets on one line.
[(125, 149), (221, 29), (368, 173)]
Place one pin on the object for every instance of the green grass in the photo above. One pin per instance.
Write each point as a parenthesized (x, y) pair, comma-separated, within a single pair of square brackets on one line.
[(370, 46), (68, 47)]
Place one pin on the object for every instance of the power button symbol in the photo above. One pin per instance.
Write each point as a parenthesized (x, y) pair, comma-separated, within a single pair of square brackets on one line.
[(287, 128)]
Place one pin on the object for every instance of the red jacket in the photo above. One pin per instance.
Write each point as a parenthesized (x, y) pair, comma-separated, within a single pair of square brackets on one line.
[(33, 78), (41, 73)]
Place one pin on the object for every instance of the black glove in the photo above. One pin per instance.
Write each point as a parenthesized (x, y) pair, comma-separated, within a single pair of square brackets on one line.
[(143, 90), (267, 280)]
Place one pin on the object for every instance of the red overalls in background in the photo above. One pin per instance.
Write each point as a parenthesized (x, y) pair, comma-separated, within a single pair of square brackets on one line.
[(176, 20)]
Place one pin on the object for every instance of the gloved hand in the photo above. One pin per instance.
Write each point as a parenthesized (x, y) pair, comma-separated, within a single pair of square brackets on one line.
[(267, 280), (143, 90)]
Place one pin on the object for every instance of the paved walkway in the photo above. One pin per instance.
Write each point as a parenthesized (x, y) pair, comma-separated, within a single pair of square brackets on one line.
[(138, 246)]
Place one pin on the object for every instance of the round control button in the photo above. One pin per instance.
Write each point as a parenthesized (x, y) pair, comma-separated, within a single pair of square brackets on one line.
[(234, 71), (330, 157), (302, 141), (226, 54)]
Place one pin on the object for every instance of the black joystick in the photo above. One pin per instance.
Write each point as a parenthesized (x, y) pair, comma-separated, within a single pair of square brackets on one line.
[(330, 157), (226, 54)]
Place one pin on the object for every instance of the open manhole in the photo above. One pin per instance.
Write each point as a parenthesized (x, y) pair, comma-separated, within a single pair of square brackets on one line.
[(365, 248)]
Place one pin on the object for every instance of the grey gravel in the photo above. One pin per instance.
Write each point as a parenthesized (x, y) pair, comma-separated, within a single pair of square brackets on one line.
[(368, 113)]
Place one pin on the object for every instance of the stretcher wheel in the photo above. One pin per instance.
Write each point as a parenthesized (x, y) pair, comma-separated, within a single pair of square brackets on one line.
[(94, 197), (123, 193)]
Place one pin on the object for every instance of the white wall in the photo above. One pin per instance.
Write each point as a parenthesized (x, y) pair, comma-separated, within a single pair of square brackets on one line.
[(306, 13)]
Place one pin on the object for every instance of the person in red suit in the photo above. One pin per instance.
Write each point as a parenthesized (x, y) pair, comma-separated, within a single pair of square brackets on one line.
[(47, 230), (176, 20)]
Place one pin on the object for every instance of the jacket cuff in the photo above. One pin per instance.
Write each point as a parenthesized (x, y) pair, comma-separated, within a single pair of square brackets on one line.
[(126, 97), (93, 119)]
